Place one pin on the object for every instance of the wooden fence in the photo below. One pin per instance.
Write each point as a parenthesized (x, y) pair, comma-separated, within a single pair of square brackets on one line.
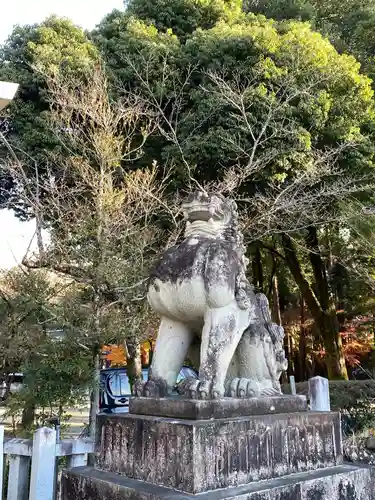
[(28, 467)]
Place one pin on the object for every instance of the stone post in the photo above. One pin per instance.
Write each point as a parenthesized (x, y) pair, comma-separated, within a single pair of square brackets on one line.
[(292, 382), (319, 394), (43, 463)]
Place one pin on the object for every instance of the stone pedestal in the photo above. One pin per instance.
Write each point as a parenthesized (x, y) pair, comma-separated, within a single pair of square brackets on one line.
[(345, 482), (193, 409), (197, 456), (278, 456)]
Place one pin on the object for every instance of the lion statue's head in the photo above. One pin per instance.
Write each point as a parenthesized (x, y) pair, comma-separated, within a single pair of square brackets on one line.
[(212, 216)]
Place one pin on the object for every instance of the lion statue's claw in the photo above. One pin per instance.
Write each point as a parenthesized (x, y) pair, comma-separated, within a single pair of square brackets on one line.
[(249, 388), (193, 388), (153, 388)]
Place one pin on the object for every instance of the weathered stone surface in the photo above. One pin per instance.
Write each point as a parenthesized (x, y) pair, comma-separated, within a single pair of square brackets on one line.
[(196, 455), (345, 482), (195, 409), (370, 443)]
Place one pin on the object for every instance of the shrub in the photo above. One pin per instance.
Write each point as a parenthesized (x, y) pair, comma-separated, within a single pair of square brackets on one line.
[(354, 399)]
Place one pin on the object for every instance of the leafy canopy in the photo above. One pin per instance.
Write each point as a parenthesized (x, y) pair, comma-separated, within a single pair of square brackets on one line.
[(183, 17), (349, 24), (54, 46)]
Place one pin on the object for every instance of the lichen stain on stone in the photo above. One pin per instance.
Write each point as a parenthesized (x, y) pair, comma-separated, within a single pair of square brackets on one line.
[(317, 492), (347, 491)]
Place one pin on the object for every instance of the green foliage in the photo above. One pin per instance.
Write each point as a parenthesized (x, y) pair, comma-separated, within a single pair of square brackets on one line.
[(349, 25), (183, 17), (267, 64), (284, 9), (242, 49), (261, 61), (346, 394), (54, 46), (120, 37), (226, 92), (25, 310), (260, 99), (353, 398), (343, 393), (57, 376), (57, 373)]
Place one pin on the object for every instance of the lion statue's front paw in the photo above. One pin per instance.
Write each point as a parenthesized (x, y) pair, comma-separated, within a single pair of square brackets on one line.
[(153, 388), (250, 388), (196, 389), (244, 388), (138, 388)]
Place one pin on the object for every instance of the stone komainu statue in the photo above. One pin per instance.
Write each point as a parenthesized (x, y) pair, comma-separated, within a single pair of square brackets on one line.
[(200, 290)]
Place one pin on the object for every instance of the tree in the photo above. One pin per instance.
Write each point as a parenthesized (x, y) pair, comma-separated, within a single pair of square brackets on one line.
[(184, 17), (57, 376), (27, 310), (152, 53), (273, 112), (179, 80), (100, 214), (55, 46), (267, 110), (349, 25)]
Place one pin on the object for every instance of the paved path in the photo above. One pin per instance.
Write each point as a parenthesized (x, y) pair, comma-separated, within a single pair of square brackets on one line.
[(75, 425)]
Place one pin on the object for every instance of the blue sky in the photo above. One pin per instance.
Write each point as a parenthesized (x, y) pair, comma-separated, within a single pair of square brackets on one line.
[(15, 235)]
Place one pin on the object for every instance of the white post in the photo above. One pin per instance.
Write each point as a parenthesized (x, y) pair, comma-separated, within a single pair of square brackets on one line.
[(319, 394), (18, 479), (1, 460), (43, 465), (292, 382)]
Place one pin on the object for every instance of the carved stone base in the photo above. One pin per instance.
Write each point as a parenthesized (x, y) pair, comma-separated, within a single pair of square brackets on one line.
[(345, 482), (200, 455), (194, 409)]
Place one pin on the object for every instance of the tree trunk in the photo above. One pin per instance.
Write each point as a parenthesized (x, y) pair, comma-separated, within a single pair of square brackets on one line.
[(302, 342), (38, 218), (28, 417), (257, 268), (325, 318), (94, 396), (332, 338), (319, 269), (276, 312), (134, 363), (336, 365)]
